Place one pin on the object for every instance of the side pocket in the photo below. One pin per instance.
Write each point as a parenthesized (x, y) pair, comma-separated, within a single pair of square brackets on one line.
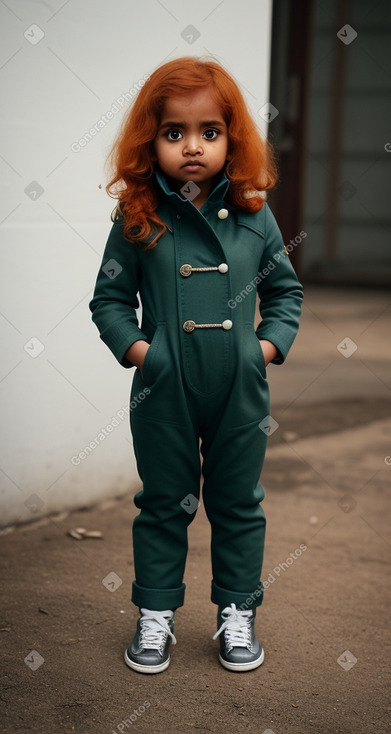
[(151, 363), (256, 349)]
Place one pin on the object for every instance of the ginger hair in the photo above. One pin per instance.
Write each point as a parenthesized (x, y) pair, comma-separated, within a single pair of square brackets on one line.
[(251, 167)]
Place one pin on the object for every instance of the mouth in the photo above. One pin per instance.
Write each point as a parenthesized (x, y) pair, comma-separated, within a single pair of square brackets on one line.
[(193, 165)]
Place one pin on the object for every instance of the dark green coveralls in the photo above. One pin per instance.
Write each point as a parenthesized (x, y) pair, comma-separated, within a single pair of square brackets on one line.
[(204, 383)]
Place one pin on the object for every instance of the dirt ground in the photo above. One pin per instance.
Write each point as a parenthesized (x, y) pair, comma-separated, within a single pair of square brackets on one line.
[(324, 623)]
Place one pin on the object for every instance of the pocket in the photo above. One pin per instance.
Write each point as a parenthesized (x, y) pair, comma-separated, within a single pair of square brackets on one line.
[(150, 368), (256, 349)]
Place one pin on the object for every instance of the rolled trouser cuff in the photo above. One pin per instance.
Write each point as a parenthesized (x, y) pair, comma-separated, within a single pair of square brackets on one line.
[(244, 601), (158, 599)]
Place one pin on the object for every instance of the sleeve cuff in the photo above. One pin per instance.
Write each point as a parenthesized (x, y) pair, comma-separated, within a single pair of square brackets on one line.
[(119, 338)]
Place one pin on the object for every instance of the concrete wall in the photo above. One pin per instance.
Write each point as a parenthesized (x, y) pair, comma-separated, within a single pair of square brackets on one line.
[(63, 68)]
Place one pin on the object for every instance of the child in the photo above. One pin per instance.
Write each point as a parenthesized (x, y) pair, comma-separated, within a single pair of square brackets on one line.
[(194, 237)]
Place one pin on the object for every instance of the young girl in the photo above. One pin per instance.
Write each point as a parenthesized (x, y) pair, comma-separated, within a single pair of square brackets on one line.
[(194, 237)]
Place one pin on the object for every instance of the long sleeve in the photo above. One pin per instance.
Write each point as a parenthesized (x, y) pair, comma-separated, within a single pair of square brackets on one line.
[(115, 301), (279, 291)]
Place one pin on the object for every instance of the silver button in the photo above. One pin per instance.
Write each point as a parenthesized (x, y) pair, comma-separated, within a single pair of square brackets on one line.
[(189, 326), (185, 270), (222, 214)]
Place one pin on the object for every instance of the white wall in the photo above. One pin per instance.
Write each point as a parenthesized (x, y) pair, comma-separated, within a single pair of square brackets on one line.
[(62, 67)]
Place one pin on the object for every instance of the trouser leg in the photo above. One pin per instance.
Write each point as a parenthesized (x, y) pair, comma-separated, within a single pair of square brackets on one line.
[(233, 459), (168, 462)]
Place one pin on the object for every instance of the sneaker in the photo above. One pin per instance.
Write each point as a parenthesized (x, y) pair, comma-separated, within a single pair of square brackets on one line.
[(239, 648), (148, 652)]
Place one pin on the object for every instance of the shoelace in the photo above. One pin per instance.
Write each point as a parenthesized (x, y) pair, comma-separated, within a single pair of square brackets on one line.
[(236, 628), (154, 629)]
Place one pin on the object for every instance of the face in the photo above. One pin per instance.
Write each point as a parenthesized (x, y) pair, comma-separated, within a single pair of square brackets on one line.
[(192, 141)]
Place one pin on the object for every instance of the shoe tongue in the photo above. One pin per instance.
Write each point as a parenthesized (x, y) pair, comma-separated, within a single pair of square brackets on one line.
[(152, 612), (235, 625)]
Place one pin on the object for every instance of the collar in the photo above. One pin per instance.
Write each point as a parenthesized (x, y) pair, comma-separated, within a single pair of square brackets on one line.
[(216, 195)]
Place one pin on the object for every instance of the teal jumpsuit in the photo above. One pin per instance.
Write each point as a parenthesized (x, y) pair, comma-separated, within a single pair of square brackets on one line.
[(203, 385)]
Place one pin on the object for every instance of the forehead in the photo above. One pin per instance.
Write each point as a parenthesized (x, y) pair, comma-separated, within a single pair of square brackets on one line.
[(197, 104)]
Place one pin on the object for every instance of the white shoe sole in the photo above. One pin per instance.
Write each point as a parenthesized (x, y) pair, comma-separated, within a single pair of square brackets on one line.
[(146, 668), (241, 667)]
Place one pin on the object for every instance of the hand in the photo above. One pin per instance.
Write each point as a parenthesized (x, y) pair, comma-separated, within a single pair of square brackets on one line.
[(269, 350), (136, 353)]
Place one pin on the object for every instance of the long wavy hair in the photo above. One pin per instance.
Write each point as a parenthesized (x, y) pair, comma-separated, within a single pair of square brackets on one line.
[(250, 166)]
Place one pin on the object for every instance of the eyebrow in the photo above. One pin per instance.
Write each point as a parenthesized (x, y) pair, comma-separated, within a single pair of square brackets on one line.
[(205, 123)]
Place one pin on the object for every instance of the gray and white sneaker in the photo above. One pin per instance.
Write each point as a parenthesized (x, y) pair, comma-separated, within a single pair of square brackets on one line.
[(239, 648), (148, 652)]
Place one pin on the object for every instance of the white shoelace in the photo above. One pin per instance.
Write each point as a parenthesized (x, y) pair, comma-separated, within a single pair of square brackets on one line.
[(237, 627), (154, 629)]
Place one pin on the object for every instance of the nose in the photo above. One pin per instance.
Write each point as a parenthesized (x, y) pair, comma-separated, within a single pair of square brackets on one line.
[(193, 146)]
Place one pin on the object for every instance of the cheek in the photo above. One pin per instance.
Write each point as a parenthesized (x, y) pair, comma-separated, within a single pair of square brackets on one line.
[(160, 150), (222, 150), (164, 149)]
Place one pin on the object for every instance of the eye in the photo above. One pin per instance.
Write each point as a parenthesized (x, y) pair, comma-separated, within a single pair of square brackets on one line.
[(174, 134), (211, 134)]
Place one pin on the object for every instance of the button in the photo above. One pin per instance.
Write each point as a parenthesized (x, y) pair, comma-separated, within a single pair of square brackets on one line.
[(185, 270), (189, 326), (223, 268), (222, 214)]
